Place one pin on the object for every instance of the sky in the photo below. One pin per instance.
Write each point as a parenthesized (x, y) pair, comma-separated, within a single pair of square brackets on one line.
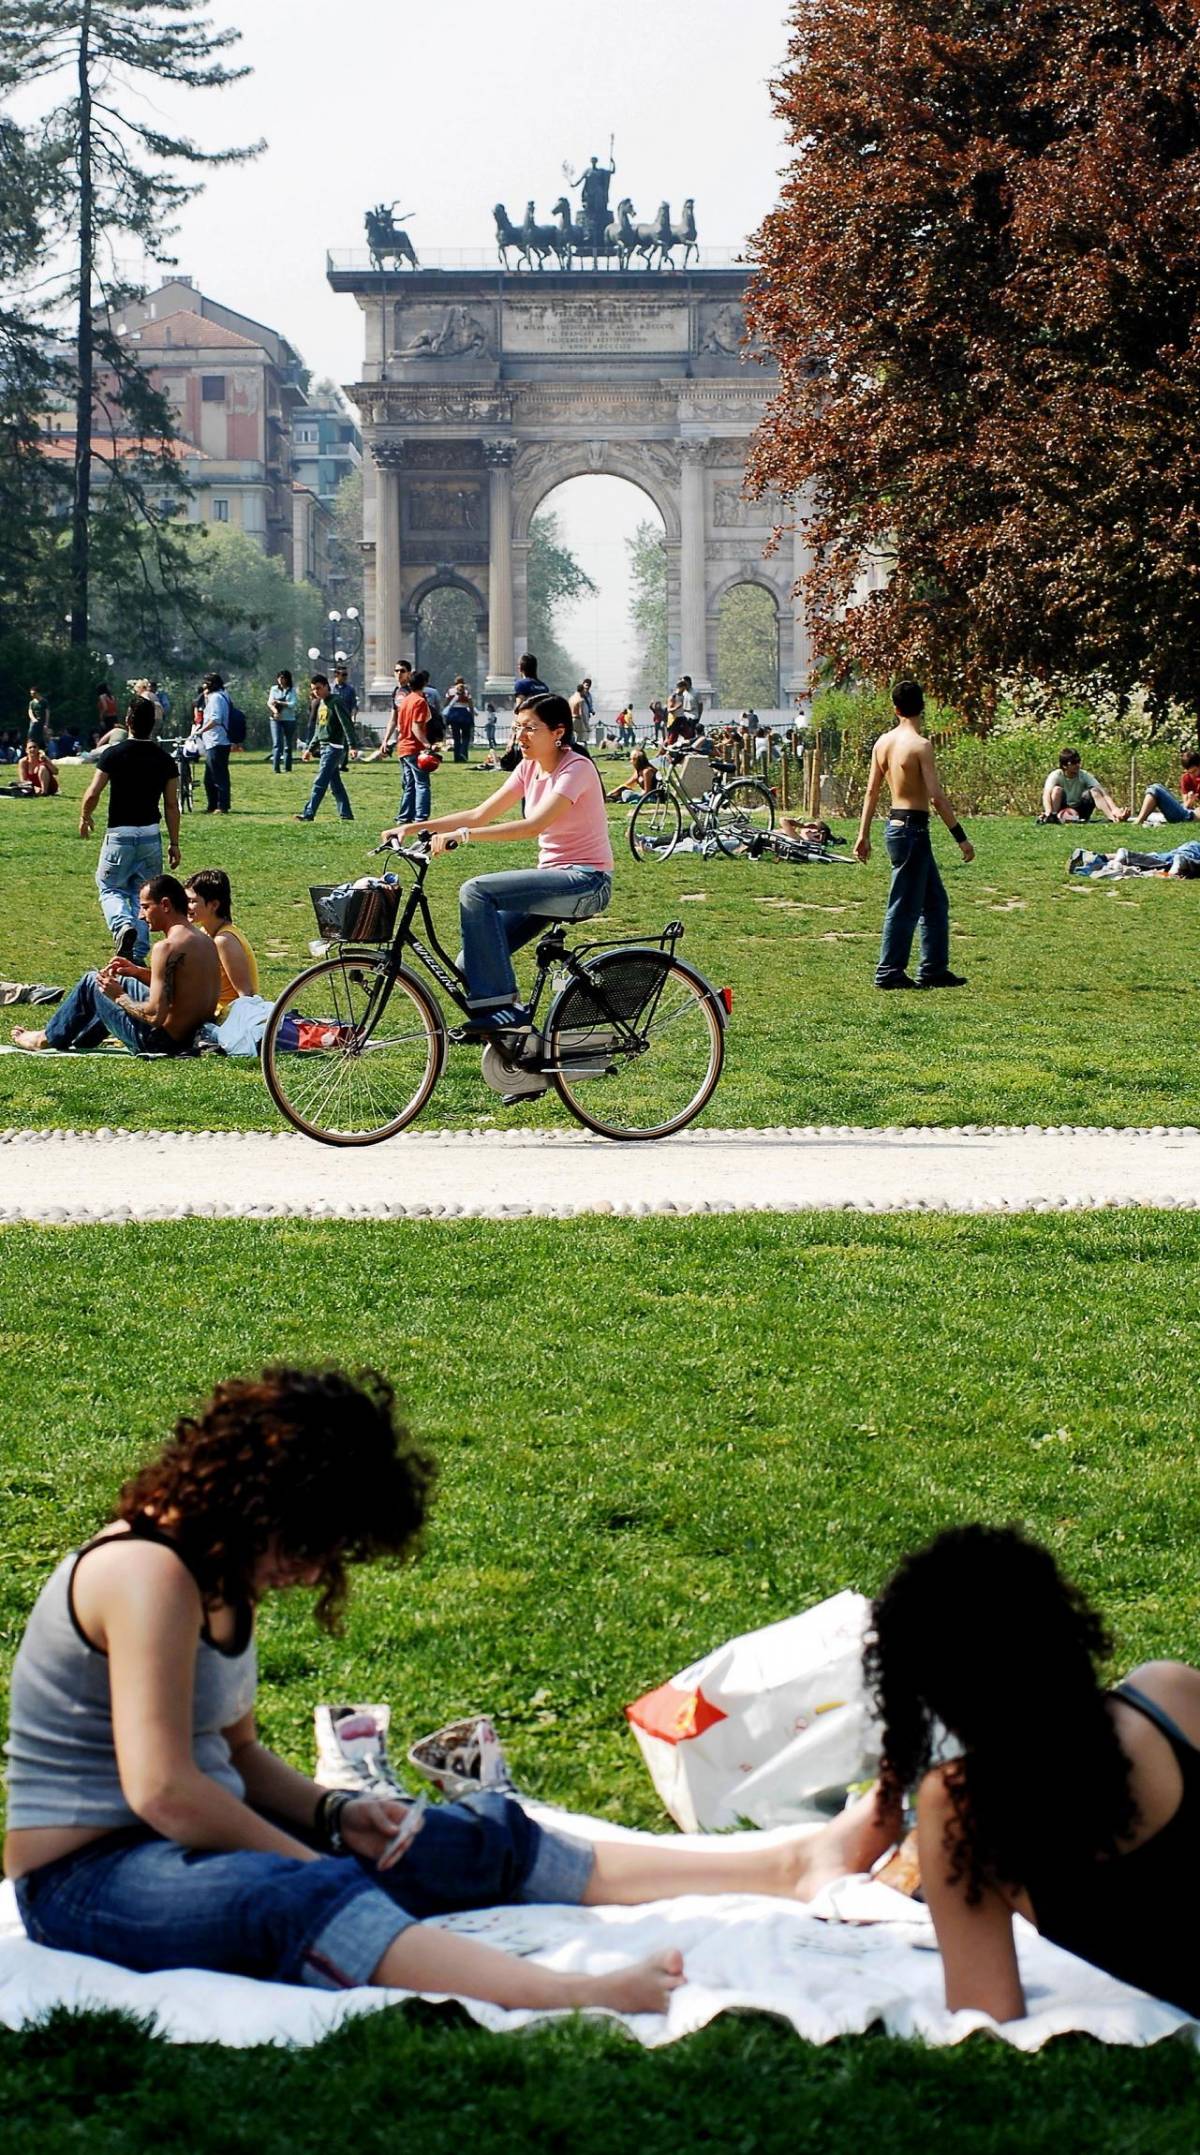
[(452, 108)]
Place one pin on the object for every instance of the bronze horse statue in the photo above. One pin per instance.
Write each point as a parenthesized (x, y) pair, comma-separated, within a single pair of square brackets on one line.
[(385, 238)]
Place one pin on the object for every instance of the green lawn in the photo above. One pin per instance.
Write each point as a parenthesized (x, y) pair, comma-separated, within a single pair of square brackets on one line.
[(1078, 1010), (651, 1435)]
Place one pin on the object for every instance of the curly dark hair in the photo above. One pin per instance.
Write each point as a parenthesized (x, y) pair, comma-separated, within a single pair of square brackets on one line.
[(980, 1635), (309, 1463)]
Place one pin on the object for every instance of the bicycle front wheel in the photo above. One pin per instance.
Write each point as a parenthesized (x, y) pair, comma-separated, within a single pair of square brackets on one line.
[(742, 811), (654, 827), (638, 1054), (351, 1053)]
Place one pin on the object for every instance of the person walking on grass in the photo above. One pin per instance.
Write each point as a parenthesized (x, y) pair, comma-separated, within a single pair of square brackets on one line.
[(903, 760), (212, 732), (148, 1823), (142, 778), (329, 734), (283, 711)]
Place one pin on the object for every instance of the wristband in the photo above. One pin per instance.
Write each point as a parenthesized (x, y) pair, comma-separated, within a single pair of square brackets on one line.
[(463, 837), (327, 1819), (957, 831)]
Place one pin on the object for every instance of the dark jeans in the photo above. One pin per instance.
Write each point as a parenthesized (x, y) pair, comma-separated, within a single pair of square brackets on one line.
[(460, 738), (216, 778), (283, 735), (917, 894)]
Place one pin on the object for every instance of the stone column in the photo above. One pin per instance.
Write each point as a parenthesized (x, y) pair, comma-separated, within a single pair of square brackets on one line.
[(693, 609), (502, 661), (800, 682), (389, 456)]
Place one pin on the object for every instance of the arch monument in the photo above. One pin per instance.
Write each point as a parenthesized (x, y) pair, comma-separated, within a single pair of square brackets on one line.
[(484, 388)]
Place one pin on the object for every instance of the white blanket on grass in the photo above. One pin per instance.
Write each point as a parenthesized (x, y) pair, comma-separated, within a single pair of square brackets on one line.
[(859, 1957)]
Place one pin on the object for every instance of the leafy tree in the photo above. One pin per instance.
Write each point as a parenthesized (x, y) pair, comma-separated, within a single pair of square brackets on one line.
[(446, 638), (555, 578), (117, 179), (234, 608), (748, 650), (982, 287), (345, 544), (648, 609)]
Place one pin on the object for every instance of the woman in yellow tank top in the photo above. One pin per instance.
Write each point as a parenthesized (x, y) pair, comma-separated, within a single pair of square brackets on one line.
[(210, 907)]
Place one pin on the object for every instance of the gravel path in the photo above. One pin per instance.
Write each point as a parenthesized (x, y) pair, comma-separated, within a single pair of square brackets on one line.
[(62, 1176)]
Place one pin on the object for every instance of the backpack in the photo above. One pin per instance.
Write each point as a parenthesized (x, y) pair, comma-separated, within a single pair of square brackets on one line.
[(435, 727), (235, 726)]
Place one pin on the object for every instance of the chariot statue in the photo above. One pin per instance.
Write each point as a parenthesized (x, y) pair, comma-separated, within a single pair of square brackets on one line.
[(385, 237)]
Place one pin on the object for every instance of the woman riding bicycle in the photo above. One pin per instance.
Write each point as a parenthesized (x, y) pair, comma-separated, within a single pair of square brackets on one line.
[(563, 799)]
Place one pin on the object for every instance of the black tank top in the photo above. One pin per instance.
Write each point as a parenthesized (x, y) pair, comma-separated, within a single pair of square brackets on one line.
[(1135, 1916)]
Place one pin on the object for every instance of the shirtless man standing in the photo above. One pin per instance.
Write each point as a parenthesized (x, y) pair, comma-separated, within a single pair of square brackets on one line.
[(903, 760), (162, 1004)]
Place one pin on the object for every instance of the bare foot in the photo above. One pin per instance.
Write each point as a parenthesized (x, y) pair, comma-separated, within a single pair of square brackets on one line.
[(644, 1987), (23, 1038), (845, 1848)]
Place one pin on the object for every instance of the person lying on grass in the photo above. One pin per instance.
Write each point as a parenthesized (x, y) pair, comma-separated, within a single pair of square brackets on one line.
[(564, 810), (149, 1826), (1069, 1804)]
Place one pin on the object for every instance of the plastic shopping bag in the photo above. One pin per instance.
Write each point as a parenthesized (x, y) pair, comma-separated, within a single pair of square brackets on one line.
[(772, 1727)]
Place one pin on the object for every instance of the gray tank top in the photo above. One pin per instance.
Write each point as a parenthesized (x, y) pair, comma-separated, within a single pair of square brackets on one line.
[(62, 1763)]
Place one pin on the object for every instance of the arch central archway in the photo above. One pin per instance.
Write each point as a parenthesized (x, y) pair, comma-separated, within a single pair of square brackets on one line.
[(575, 584)]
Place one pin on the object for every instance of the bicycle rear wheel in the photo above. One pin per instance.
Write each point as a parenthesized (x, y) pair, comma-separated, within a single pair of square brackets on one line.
[(742, 811), (654, 827), (371, 1054), (640, 1054)]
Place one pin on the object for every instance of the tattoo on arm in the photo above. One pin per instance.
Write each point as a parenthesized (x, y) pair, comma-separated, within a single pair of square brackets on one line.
[(169, 971)]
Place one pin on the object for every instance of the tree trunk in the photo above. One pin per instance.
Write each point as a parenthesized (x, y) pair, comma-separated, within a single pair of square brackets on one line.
[(81, 503)]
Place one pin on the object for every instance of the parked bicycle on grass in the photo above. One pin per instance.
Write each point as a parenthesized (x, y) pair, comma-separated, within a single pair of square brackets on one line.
[(724, 818)]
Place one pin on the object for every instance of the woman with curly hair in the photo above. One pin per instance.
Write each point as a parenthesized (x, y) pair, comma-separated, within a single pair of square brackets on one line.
[(149, 1826), (1070, 1804)]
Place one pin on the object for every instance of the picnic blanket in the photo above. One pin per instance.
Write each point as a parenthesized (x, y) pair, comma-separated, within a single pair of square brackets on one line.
[(860, 1956)]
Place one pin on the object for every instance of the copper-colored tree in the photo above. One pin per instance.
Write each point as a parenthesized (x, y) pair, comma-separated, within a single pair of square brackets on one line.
[(982, 286)]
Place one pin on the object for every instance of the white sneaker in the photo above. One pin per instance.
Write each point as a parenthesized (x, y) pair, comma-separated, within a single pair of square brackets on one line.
[(352, 1750)]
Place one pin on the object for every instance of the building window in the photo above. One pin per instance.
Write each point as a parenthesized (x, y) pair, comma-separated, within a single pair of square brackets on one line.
[(212, 388), (220, 510)]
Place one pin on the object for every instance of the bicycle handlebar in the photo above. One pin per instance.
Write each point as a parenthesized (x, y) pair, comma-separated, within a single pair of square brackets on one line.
[(418, 852)]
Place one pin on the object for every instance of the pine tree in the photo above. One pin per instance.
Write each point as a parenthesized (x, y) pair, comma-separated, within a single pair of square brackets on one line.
[(117, 175)]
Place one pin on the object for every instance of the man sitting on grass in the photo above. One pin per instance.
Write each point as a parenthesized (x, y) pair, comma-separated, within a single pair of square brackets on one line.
[(1071, 794), (160, 1008)]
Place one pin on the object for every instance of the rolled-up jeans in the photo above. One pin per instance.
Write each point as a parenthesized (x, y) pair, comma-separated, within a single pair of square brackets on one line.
[(499, 913), (130, 855), (148, 1904), (1171, 809)]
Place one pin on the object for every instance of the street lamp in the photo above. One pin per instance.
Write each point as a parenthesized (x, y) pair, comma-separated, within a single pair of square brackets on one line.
[(345, 634)]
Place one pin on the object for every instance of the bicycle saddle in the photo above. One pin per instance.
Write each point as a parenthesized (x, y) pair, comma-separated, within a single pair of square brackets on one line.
[(719, 765)]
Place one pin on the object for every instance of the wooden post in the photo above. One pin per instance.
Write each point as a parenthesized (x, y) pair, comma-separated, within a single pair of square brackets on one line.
[(815, 810), (1134, 803)]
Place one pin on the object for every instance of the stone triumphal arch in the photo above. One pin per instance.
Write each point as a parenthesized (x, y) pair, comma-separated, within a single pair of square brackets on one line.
[(482, 389)]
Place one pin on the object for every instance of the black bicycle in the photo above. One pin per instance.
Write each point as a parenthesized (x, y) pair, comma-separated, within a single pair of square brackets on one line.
[(633, 1039), (725, 819)]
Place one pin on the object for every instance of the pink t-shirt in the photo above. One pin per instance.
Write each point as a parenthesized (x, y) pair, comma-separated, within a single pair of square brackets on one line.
[(578, 838)]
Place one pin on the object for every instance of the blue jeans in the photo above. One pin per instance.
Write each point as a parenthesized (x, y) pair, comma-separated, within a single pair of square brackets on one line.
[(414, 792), (125, 864), (1168, 806), (147, 1903), (329, 777), (501, 912), (1189, 851), (917, 894), (283, 735), (87, 1016), (216, 778)]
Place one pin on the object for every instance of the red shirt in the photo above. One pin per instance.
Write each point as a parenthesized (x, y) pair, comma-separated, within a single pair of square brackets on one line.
[(1189, 786), (412, 717)]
